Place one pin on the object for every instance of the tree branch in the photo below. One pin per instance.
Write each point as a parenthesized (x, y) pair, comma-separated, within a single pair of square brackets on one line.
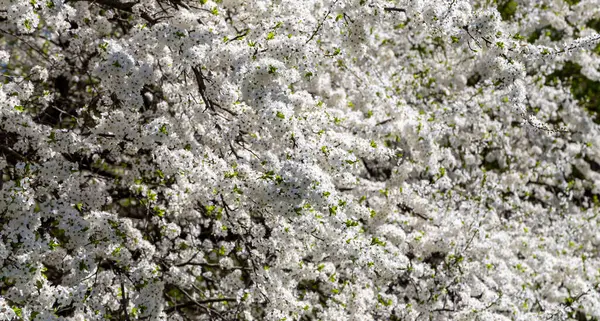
[(393, 9)]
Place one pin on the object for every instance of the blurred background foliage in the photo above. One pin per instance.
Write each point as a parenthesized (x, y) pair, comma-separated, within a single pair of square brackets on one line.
[(586, 91)]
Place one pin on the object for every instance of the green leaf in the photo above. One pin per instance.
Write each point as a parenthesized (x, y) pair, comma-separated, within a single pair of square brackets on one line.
[(351, 223), (159, 211), (376, 241), (231, 174), (333, 210), (103, 46), (116, 251), (53, 245), (163, 129), (237, 190), (17, 311), (518, 36), (384, 302)]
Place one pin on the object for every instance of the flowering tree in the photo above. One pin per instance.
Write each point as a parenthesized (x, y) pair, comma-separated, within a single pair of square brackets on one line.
[(299, 160)]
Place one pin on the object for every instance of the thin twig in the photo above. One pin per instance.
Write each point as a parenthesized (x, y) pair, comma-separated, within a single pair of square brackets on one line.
[(393, 9), (321, 23)]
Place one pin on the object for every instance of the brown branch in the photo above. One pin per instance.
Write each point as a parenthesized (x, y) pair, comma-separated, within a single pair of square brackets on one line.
[(202, 91), (124, 300), (199, 304), (123, 6), (115, 4), (321, 23), (202, 87), (392, 9), (384, 122)]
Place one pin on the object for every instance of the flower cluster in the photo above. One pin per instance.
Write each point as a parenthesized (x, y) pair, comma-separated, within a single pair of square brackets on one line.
[(299, 160)]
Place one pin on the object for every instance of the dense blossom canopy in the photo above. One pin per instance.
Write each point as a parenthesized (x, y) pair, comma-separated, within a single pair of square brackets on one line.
[(299, 160)]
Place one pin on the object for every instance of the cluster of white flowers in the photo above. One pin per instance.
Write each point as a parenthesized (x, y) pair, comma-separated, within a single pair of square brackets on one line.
[(299, 160)]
